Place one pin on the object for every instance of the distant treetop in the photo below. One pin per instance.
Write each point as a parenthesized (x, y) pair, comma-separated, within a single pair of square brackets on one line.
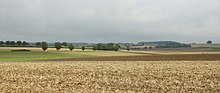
[(209, 42)]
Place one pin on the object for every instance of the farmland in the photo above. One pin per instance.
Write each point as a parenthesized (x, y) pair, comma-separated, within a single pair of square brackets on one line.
[(38, 54), (109, 46), (115, 76), (182, 57), (107, 71)]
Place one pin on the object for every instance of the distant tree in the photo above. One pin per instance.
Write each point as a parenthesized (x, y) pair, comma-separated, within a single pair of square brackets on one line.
[(171, 44), (24, 43), (145, 47), (19, 43), (108, 46), (102, 46), (7, 43), (83, 48), (116, 47), (44, 46), (209, 42), (38, 44), (58, 46), (150, 47), (94, 48), (12, 43), (65, 44), (111, 46), (71, 47), (128, 48), (2, 43)]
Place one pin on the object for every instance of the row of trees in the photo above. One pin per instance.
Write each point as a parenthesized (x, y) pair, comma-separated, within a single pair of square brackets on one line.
[(13, 43), (59, 45), (100, 46), (39, 44)]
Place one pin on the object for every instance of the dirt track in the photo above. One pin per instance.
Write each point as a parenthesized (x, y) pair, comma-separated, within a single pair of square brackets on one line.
[(183, 57)]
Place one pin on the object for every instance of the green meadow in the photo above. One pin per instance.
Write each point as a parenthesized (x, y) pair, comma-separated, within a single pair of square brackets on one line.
[(31, 56), (6, 55)]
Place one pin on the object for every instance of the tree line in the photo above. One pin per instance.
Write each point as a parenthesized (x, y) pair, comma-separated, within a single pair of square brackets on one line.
[(107, 46), (100, 46), (59, 45), (13, 43), (171, 44)]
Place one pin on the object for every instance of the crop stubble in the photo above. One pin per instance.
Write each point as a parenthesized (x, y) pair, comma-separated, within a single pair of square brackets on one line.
[(114, 76)]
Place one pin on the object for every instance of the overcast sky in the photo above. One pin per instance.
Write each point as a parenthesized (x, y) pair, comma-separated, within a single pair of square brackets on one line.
[(110, 20)]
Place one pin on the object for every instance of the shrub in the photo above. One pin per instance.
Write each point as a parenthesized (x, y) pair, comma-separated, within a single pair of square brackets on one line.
[(21, 50)]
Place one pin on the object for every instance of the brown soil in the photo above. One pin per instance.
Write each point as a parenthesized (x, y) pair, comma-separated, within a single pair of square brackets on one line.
[(182, 57)]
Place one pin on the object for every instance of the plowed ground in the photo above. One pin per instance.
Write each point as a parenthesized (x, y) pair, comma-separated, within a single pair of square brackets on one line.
[(179, 57)]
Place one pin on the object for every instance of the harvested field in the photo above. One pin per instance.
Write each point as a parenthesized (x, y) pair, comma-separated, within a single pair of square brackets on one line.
[(118, 76), (179, 57)]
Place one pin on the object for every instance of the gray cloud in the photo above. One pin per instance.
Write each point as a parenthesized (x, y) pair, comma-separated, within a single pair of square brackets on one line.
[(110, 20)]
